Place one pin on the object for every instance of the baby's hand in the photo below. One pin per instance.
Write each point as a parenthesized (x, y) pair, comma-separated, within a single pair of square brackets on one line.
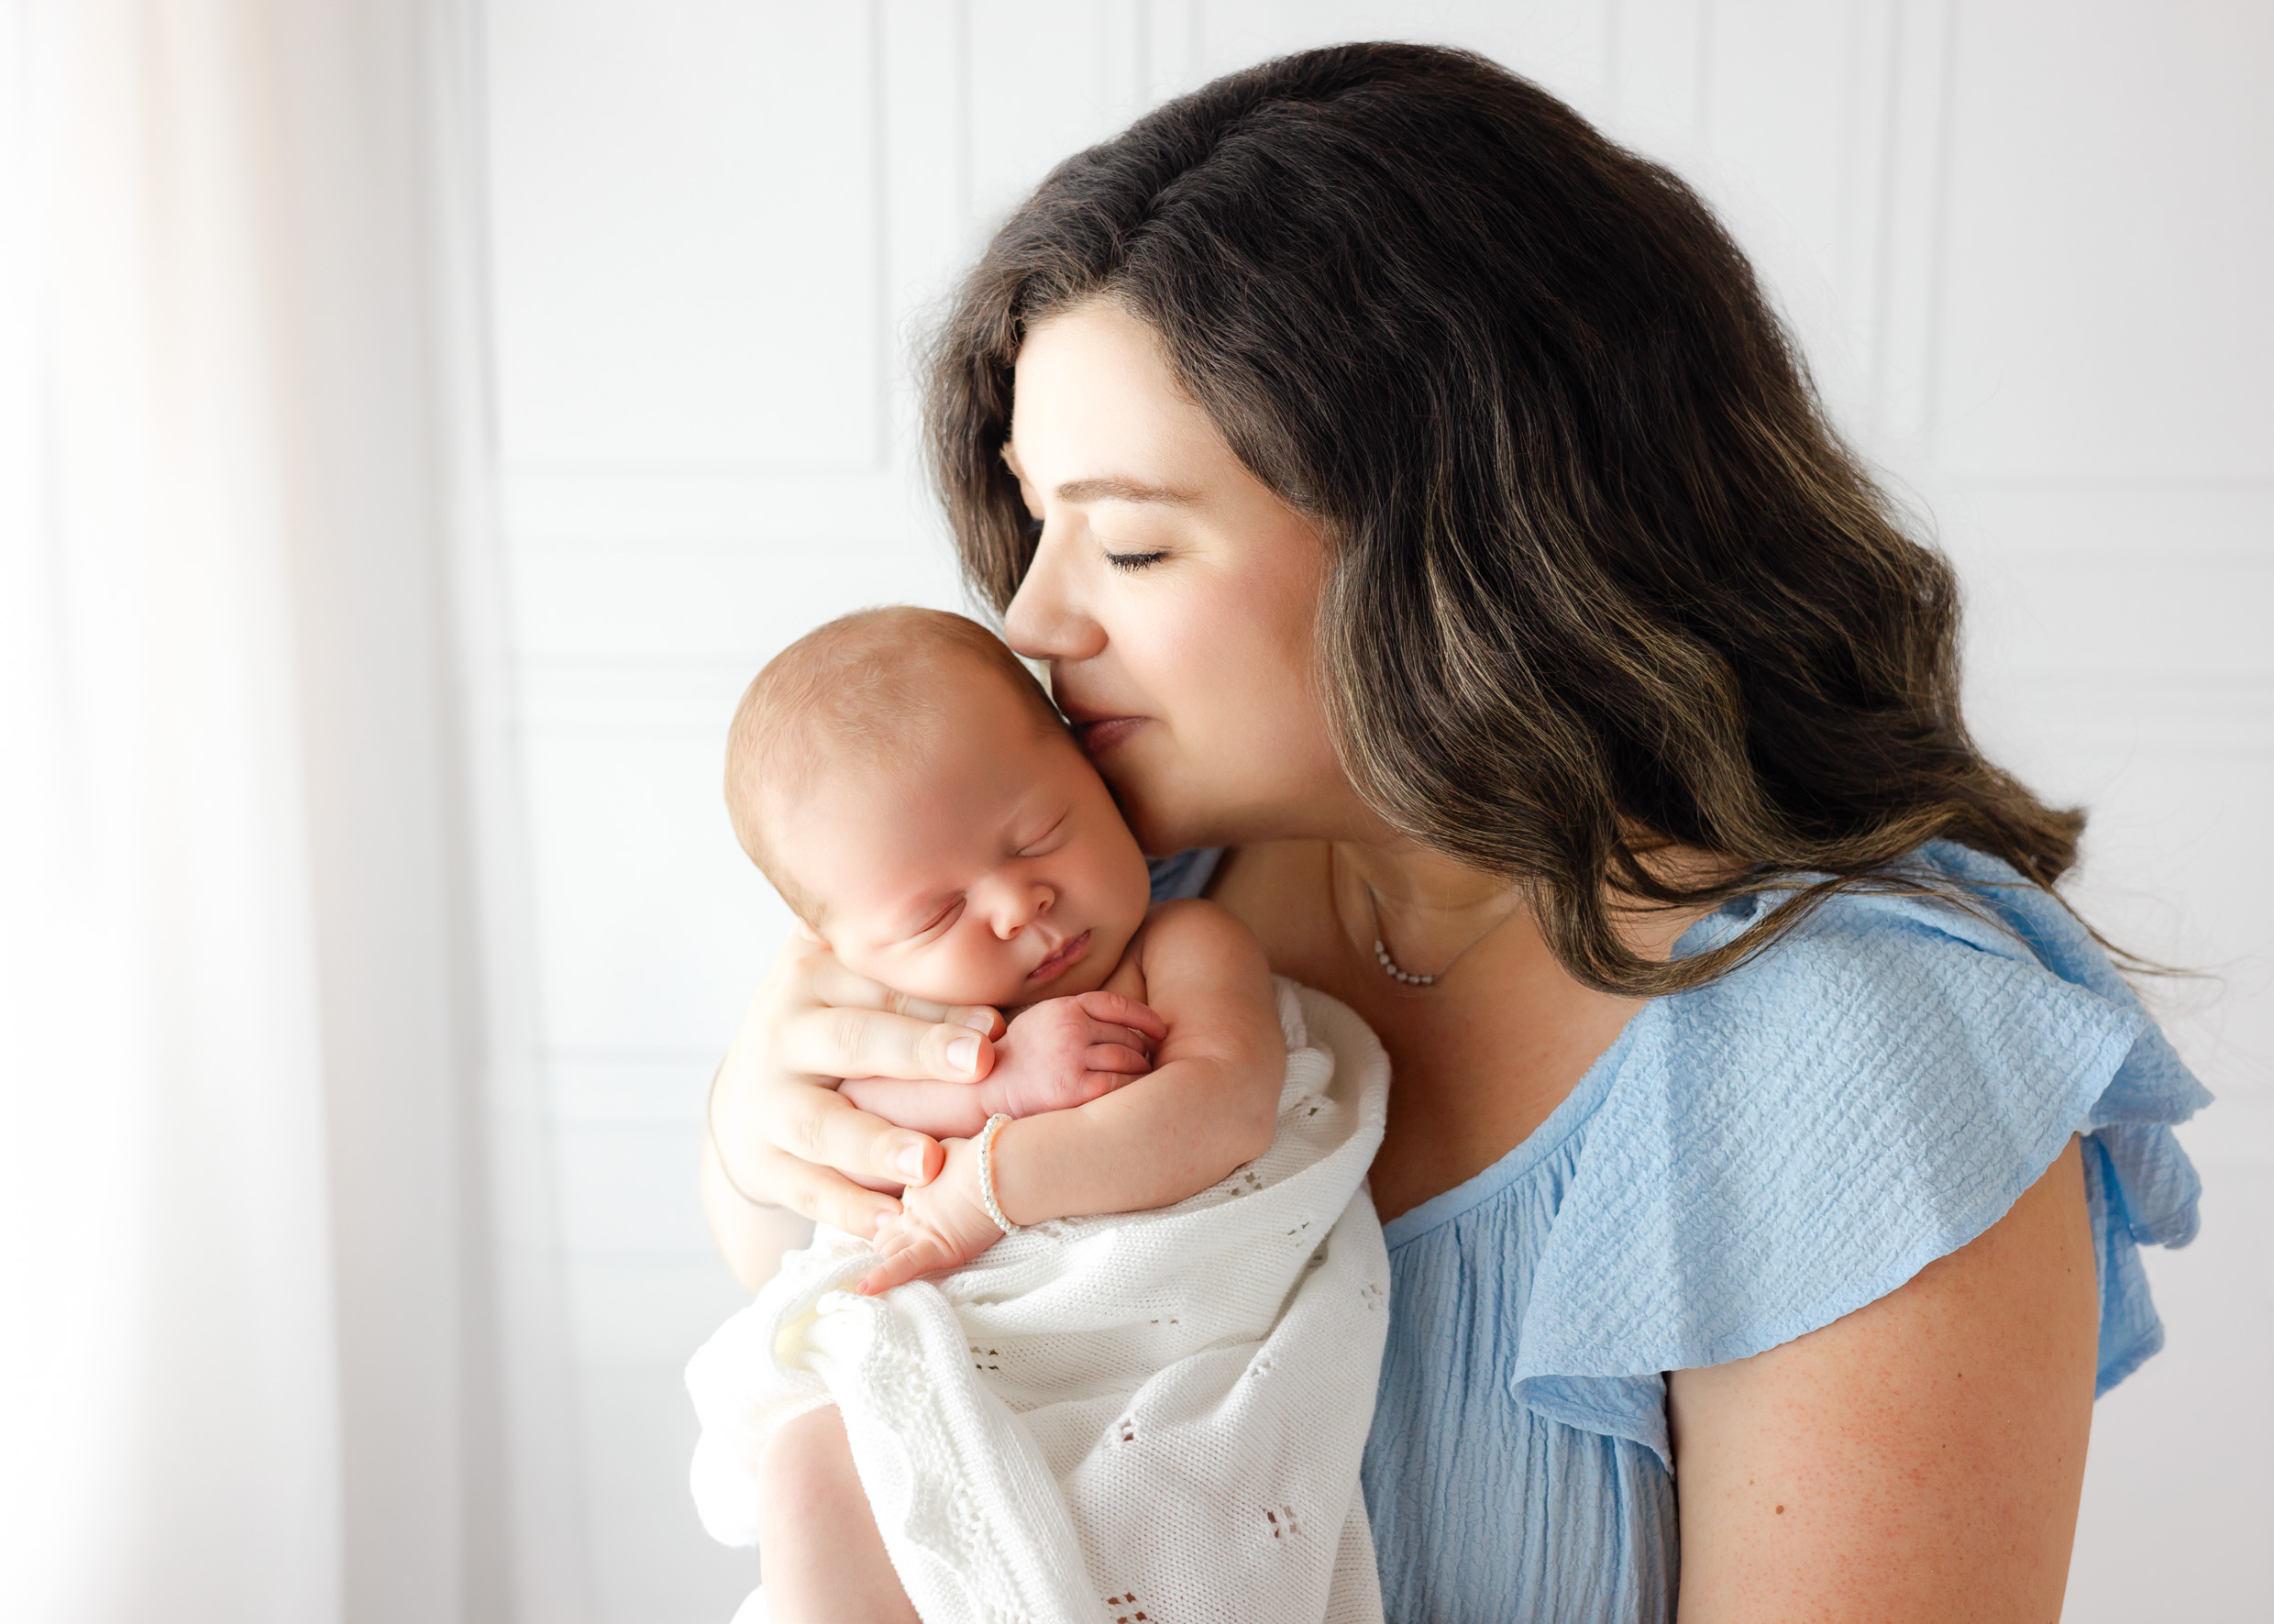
[(1066, 1052), (942, 1225)]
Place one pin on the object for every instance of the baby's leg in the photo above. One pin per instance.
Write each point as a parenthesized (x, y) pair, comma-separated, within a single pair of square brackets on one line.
[(819, 1551)]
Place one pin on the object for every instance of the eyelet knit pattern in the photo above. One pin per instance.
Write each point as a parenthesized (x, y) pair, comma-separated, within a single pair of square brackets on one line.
[(1156, 1412)]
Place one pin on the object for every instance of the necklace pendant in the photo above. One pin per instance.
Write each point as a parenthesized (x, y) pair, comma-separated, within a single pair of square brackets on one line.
[(1390, 967)]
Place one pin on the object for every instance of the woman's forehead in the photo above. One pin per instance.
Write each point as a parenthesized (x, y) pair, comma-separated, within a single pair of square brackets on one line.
[(1095, 405)]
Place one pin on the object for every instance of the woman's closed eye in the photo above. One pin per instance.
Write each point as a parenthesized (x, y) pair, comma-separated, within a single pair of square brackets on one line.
[(1135, 561)]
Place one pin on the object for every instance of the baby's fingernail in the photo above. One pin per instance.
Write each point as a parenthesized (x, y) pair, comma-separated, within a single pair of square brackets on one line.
[(977, 1020), (964, 1053), (908, 1165)]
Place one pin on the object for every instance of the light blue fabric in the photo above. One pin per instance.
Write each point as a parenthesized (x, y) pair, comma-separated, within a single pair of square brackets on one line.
[(1749, 1162)]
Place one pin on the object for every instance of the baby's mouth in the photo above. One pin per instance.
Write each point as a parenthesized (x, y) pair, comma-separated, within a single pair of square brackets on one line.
[(1066, 956)]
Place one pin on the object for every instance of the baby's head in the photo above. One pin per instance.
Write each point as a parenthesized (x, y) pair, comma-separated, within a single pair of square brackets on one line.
[(913, 796)]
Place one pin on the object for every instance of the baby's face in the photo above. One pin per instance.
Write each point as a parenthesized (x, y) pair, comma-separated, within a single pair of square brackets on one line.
[(992, 868)]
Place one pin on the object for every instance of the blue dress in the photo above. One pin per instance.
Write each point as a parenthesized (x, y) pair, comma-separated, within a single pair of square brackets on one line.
[(1748, 1162)]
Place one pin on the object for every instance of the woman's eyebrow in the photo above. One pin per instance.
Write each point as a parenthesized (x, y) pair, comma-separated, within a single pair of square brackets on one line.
[(1113, 488)]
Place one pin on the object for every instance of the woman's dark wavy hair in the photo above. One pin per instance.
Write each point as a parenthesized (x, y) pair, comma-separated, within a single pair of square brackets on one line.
[(1605, 578)]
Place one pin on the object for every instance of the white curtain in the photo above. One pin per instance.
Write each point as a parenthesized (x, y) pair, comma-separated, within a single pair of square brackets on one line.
[(278, 1337)]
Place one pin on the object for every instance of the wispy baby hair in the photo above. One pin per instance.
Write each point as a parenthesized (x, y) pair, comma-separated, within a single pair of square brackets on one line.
[(865, 688)]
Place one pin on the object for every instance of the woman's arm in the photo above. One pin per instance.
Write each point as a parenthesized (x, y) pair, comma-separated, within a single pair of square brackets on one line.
[(1920, 1459)]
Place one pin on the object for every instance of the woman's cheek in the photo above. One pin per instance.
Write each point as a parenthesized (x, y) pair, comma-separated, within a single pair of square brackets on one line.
[(1206, 667)]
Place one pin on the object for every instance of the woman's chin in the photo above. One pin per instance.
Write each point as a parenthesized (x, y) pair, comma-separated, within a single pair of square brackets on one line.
[(1148, 804)]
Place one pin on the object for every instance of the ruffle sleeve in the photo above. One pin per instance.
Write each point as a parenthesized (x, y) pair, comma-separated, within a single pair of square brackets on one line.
[(1801, 1137)]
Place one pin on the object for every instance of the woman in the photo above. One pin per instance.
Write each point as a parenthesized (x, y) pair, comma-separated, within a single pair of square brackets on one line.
[(1431, 535)]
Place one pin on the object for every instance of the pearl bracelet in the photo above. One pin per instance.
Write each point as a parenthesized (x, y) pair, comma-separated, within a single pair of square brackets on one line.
[(987, 1172)]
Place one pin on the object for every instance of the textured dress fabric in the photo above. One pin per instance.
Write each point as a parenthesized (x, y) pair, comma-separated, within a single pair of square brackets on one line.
[(1747, 1163), (1158, 1415)]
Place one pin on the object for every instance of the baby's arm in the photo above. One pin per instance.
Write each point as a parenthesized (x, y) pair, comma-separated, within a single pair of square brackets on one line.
[(1058, 1054), (1207, 1107)]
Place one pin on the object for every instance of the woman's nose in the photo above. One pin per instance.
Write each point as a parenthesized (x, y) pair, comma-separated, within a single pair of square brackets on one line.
[(1044, 620)]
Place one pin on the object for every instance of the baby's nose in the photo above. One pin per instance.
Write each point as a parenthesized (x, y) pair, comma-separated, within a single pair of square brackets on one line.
[(1022, 905)]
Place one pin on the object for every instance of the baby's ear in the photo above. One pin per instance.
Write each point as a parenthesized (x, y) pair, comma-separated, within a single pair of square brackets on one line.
[(810, 935)]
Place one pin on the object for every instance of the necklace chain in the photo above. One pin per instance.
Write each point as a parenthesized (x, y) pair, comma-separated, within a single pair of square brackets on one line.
[(1399, 973)]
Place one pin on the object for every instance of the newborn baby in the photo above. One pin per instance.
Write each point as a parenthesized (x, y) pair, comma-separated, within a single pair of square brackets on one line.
[(914, 797), (911, 792)]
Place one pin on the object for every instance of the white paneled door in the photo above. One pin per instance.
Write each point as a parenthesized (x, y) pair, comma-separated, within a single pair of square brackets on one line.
[(2022, 242)]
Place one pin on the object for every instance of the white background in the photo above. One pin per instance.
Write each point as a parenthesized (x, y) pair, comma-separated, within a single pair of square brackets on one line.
[(2024, 241)]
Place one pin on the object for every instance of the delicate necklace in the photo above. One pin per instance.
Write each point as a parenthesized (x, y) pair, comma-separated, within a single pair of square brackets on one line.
[(1406, 977)]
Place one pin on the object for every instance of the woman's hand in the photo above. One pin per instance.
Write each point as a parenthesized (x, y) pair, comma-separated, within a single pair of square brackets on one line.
[(779, 1134)]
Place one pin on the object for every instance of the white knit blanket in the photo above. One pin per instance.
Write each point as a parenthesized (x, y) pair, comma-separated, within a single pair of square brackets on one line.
[(1157, 1415)]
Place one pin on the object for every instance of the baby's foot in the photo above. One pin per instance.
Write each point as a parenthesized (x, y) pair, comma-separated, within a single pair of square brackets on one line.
[(1066, 1052)]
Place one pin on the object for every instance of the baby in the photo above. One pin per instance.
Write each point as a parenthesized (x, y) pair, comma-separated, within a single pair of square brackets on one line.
[(911, 792), (912, 795)]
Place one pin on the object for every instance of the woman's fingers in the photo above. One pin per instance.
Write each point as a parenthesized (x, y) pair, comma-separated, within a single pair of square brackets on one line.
[(781, 1135), (1118, 1058), (821, 1125), (835, 985), (820, 1194), (1113, 1006), (858, 1043)]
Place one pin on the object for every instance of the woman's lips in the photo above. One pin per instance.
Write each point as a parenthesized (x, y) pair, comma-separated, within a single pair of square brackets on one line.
[(1068, 955), (1100, 736)]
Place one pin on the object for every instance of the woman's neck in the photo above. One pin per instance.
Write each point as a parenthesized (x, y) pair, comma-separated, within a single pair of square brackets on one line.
[(1423, 908), (1429, 909)]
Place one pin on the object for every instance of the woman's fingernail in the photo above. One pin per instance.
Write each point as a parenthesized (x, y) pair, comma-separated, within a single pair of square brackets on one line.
[(977, 1020), (909, 1166), (964, 1053)]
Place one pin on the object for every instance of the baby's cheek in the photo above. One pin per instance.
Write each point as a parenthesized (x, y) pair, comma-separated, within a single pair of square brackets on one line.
[(913, 978), (964, 973), (863, 962)]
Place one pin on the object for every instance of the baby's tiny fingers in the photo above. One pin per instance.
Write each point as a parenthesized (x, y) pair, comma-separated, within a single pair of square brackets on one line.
[(884, 1277), (1102, 1005), (1113, 1032), (899, 1263), (1118, 1058)]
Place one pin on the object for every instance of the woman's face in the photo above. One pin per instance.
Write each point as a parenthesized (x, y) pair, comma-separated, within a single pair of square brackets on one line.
[(1171, 594)]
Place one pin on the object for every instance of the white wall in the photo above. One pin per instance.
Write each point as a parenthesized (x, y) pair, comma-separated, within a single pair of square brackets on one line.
[(2024, 241)]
